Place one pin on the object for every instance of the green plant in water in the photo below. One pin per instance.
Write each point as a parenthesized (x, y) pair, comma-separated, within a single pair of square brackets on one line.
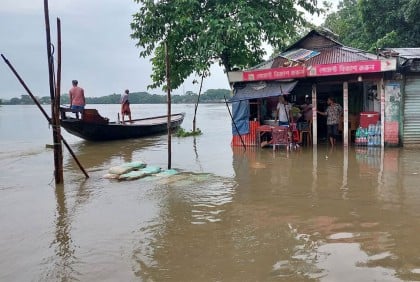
[(182, 133)]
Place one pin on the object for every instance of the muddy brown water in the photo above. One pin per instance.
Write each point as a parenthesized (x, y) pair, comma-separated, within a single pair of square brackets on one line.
[(313, 214)]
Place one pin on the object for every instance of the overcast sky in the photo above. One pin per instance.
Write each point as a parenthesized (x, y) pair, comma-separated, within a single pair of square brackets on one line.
[(96, 48)]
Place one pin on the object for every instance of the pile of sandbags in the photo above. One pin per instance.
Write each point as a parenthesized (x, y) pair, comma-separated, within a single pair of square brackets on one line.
[(135, 170)]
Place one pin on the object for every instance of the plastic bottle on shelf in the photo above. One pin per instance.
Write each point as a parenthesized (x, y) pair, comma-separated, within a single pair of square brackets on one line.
[(357, 136), (370, 140), (378, 128), (365, 136)]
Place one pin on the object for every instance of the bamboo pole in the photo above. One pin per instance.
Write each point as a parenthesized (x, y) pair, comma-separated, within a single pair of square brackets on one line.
[(57, 99), (196, 104), (168, 85), (234, 123), (43, 112), (58, 155)]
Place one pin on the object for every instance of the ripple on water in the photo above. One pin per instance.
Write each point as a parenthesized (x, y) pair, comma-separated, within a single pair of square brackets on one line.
[(207, 194), (341, 235)]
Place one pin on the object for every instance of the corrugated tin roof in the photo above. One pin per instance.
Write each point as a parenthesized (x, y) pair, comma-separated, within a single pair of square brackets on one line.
[(331, 52), (264, 65), (333, 55), (300, 54), (315, 40), (406, 53)]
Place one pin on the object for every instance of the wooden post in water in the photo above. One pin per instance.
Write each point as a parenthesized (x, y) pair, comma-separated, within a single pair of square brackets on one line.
[(58, 151), (42, 111), (168, 86), (196, 104), (57, 96)]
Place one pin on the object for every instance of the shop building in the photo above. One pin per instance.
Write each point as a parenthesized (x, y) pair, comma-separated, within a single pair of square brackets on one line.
[(407, 106), (367, 86)]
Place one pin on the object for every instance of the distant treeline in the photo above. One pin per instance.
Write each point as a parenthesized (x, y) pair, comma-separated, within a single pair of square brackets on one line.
[(209, 96)]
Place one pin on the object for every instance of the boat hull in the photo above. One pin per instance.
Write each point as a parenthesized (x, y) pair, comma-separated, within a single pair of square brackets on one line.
[(116, 131)]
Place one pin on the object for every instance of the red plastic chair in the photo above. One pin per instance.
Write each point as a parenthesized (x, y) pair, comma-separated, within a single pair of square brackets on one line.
[(280, 136)]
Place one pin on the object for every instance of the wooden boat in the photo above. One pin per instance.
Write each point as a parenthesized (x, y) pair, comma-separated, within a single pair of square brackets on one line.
[(93, 127)]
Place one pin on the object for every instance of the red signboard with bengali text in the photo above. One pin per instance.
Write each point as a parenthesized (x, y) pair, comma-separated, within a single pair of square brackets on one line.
[(358, 67), (275, 73), (345, 68)]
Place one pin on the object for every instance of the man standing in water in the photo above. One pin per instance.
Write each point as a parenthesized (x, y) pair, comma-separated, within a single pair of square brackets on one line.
[(77, 98), (333, 113), (125, 106)]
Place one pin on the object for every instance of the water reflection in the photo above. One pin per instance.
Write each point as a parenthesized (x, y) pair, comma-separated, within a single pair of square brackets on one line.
[(193, 207), (98, 155), (63, 261), (334, 206)]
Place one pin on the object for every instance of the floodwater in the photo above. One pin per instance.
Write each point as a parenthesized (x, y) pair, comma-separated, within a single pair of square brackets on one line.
[(229, 215)]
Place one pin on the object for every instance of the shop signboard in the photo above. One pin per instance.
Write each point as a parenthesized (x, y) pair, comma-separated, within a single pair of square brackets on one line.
[(358, 67), (275, 73)]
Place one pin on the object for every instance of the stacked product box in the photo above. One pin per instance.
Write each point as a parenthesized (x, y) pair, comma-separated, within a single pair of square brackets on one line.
[(369, 136), (369, 131)]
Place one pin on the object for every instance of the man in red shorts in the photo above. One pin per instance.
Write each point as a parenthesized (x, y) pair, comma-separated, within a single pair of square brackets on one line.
[(125, 106)]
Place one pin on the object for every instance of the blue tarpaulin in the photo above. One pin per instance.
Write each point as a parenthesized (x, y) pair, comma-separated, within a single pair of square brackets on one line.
[(240, 113), (255, 90)]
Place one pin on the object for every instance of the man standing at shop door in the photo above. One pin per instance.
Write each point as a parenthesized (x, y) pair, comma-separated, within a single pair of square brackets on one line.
[(333, 113)]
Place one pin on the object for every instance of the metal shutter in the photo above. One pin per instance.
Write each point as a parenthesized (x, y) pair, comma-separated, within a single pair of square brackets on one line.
[(412, 111)]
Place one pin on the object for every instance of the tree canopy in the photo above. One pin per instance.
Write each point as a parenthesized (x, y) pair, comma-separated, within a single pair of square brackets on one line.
[(202, 32), (371, 24)]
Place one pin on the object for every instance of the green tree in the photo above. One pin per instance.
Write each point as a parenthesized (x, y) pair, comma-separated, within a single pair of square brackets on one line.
[(392, 22), (347, 22), (15, 101), (371, 24), (26, 100), (201, 32)]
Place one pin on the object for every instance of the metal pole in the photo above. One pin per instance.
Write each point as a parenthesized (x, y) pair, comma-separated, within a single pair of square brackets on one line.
[(168, 85), (314, 115), (345, 113)]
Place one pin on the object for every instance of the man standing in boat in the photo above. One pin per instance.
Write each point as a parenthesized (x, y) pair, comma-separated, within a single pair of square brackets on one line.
[(125, 106), (77, 98)]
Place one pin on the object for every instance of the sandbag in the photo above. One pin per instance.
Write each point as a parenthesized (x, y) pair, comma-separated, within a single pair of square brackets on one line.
[(132, 175), (135, 165), (111, 176), (151, 170), (120, 169)]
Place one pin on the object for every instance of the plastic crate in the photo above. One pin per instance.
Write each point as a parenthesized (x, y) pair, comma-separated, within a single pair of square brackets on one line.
[(367, 118)]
